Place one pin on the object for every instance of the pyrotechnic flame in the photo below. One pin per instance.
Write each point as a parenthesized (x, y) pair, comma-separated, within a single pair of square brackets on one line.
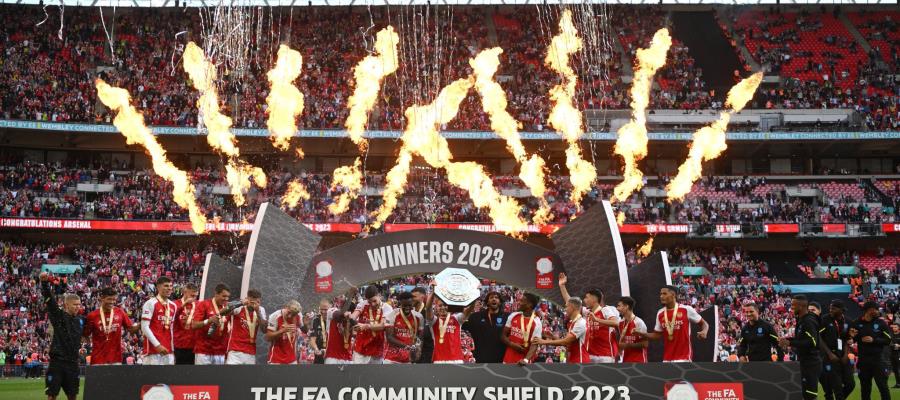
[(620, 218), (709, 141), (368, 75), (493, 101), (632, 141), (295, 191), (422, 138), (564, 117), (350, 178), (131, 123), (218, 126), (285, 102), (645, 248)]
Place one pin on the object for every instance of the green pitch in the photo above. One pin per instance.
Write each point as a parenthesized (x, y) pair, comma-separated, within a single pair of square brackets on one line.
[(33, 389)]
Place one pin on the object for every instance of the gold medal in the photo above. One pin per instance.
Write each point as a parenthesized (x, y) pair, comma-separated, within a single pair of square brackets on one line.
[(442, 327), (526, 333), (251, 322), (670, 324)]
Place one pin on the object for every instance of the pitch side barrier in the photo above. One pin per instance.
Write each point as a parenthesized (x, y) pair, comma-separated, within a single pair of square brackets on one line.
[(703, 381)]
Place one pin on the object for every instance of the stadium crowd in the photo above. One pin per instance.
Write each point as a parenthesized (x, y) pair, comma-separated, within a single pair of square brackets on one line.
[(51, 70)]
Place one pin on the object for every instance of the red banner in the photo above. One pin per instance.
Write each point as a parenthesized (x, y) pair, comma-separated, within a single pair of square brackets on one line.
[(782, 228)]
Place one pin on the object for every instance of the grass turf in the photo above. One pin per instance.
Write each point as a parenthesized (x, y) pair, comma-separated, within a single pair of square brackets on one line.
[(33, 389)]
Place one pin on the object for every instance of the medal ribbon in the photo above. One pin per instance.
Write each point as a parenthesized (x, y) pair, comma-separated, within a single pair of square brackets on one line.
[(526, 333), (251, 322), (442, 327), (670, 325), (168, 318), (106, 324)]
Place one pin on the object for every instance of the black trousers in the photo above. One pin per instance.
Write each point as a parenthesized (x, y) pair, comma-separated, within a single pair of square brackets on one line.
[(184, 356), (809, 377), (837, 380), (873, 368), (895, 364), (62, 376)]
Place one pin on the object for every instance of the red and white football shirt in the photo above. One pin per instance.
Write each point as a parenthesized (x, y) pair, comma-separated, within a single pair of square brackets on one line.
[(406, 329), (450, 350), (239, 338), (161, 317), (284, 349), (106, 335), (601, 339), (338, 345), (679, 347), (216, 344), (520, 327), (575, 352), (628, 329), (184, 335), (370, 343)]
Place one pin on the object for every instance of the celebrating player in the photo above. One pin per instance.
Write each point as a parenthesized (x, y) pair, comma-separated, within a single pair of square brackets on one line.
[(211, 322), (370, 342), (246, 321), (318, 331), (446, 329), (521, 329), (633, 348), (340, 331), (104, 326), (602, 322), (673, 324), (184, 333), (283, 331), (403, 326), (574, 340), (157, 318)]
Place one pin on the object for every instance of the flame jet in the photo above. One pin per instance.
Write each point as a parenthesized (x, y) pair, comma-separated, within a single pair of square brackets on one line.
[(368, 76), (131, 123), (422, 138), (631, 143), (237, 172), (493, 102), (285, 104), (709, 141), (564, 117)]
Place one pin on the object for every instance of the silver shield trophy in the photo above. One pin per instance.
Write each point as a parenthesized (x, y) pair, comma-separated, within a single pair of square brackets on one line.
[(457, 287)]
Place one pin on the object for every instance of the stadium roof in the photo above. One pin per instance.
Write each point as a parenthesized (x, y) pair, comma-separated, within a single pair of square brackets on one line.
[(209, 3)]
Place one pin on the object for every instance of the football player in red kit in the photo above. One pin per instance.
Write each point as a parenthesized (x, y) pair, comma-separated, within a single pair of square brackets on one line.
[(632, 346), (602, 323), (522, 327), (212, 328), (338, 347), (446, 330), (283, 330), (673, 325), (369, 315), (104, 326), (184, 334), (246, 322), (574, 340), (403, 328), (157, 318)]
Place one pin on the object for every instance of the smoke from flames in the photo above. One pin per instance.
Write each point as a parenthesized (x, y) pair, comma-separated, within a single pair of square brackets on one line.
[(564, 117), (368, 76), (285, 102), (631, 143), (422, 138), (131, 123), (494, 102), (709, 141), (218, 126)]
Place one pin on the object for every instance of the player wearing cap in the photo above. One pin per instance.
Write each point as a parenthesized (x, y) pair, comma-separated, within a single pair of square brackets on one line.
[(522, 327), (104, 326), (871, 334), (246, 322), (369, 315), (632, 346), (184, 333), (602, 323), (574, 341), (283, 330), (673, 325), (837, 374), (211, 328), (403, 327), (157, 318)]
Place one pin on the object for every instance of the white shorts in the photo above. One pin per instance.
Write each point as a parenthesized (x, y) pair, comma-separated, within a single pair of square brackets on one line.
[(118, 363), (448, 362), (238, 358), (675, 361), (361, 359), (602, 360), (206, 359), (159, 359), (337, 361), (386, 361)]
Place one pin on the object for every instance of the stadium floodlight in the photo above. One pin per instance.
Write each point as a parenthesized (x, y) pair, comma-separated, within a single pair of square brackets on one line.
[(300, 3)]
